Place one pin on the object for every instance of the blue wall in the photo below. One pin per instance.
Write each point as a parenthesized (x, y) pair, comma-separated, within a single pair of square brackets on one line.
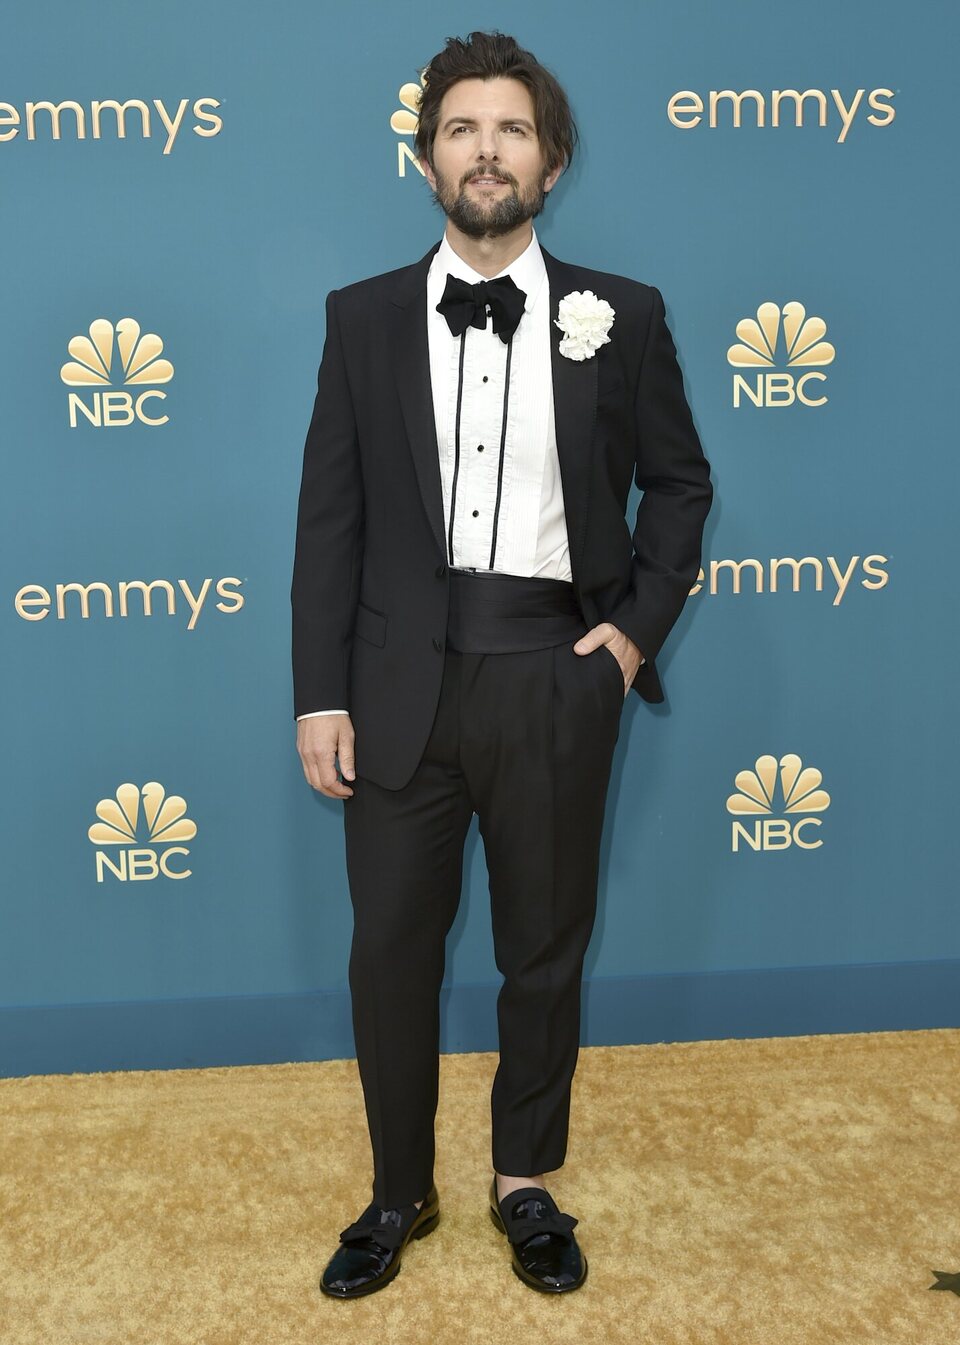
[(225, 247)]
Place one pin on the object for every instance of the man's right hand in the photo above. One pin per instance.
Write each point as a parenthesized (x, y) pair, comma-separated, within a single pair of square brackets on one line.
[(320, 740)]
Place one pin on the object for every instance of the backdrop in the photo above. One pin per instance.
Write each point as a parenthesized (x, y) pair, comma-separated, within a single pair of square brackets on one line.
[(181, 188)]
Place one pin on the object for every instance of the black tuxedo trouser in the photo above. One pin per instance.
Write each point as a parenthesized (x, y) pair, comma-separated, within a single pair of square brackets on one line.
[(525, 739)]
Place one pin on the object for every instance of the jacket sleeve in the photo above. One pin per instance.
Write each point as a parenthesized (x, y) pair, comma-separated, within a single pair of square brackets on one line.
[(674, 476), (329, 539)]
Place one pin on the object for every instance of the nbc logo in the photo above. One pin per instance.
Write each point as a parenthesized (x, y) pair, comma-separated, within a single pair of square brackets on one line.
[(91, 368), (164, 819), (800, 793), (404, 122), (803, 349)]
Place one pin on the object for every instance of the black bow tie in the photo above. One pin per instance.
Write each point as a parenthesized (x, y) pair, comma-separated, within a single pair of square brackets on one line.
[(465, 305)]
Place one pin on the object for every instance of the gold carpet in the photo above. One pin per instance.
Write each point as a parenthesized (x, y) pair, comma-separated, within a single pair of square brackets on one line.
[(758, 1192)]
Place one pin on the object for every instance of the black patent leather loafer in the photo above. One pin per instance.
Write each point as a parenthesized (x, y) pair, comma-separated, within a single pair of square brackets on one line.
[(544, 1251), (371, 1249)]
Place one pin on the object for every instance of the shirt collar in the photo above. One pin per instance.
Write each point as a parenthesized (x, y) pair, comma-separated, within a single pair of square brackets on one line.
[(527, 271)]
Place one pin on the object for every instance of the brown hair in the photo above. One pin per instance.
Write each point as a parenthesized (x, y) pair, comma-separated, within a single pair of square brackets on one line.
[(493, 56)]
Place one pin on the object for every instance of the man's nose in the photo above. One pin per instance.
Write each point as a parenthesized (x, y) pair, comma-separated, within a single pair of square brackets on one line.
[(488, 146)]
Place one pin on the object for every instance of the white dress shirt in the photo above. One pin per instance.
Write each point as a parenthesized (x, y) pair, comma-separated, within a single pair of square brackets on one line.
[(531, 532), (527, 523)]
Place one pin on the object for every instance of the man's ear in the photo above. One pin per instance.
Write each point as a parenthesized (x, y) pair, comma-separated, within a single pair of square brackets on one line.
[(552, 177), (428, 172)]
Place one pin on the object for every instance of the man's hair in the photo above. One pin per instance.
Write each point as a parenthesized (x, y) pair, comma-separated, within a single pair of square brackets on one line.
[(492, 56)]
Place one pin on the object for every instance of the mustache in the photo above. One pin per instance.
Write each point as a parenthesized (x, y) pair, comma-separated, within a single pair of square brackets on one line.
[(488, 172)]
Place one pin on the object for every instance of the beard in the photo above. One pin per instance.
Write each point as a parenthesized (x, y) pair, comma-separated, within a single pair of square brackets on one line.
[(495, 217)]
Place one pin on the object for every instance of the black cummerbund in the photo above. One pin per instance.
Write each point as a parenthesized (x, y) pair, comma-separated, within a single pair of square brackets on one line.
[(493, 613)]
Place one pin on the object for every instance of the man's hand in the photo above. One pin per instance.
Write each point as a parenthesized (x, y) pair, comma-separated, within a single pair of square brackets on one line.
[(621, 647), (320, 740)]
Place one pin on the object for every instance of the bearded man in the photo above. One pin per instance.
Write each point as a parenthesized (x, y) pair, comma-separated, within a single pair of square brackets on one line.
[(470, 611)]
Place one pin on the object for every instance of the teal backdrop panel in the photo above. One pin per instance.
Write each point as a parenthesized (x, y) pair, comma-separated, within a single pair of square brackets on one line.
[(181, 189)]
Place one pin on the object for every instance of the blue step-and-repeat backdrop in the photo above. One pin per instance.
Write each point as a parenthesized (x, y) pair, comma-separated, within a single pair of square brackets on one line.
[(181, 187)]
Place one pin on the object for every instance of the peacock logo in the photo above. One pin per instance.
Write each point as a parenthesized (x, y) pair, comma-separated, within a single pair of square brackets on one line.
[(93, 355), (404, 122), (780, 336), (758, 797), (115, 357), (132, 818)]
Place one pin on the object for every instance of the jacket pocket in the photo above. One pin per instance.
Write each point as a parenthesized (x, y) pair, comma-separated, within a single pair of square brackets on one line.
[(370, 625)]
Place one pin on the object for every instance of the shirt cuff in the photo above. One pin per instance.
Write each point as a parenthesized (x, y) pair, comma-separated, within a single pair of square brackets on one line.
[(312, 714)]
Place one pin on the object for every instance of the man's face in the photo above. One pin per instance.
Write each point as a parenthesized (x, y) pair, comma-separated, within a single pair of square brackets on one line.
[(488, 173)]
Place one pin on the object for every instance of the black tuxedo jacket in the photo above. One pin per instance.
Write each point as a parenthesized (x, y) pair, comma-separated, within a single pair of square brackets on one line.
[(370, 579)]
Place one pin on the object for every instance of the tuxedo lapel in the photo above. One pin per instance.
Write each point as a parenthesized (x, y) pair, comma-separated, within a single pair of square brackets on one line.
[(409, 314), (575, 411)]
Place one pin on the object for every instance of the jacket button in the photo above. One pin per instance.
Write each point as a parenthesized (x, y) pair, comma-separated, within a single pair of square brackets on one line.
[(437, 644), (441, 569)]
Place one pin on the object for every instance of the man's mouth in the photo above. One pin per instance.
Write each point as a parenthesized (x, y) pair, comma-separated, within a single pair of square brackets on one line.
[(487, 181)]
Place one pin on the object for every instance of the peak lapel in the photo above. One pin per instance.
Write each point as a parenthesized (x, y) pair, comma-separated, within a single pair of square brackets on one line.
[(575, 411), (409, 315)]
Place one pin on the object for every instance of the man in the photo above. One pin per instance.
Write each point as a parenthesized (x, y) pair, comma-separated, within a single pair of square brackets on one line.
[(470, 610)]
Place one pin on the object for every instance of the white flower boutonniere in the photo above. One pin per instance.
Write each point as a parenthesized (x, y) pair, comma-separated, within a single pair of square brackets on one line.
[(584, 320)]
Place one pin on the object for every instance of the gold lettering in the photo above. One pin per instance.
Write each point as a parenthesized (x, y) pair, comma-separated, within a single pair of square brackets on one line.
[(165, 868), (196, 603), (740, 384), (121, 111), (148, 420), (847, 114), (32, 602), (687, 104), (880, 574), (780, 391), (84, 590), (404, 155), (173, 127), (739, 832), (117, 408), (684, 108), (798, 827), (736, 566), (105, 862), (796, 566), (224, 591), (736, 99), (802, 389), (23, 600), (776, 833), (798, 101), (873, 566), (9, 116), (76, 403), (126, 585), (217, 122), (142, 865), (54, 109), (881, 106), (842, 579)]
